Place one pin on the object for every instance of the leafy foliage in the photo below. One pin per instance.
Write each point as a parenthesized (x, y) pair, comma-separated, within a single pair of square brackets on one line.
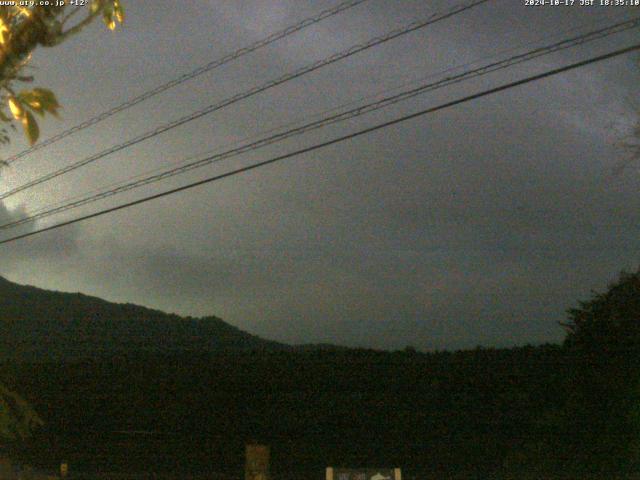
[(22, 30), (604, 408), (17, 418), (608, 323)]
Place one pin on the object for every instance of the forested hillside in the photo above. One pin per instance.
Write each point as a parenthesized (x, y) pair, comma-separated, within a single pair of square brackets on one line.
[(466, 411), (550, 411), (40, 325)]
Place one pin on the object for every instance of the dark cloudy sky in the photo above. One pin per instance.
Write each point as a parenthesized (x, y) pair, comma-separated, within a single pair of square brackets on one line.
[(480, 224)]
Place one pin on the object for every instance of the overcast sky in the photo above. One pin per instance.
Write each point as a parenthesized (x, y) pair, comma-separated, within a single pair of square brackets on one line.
[(478, 225)]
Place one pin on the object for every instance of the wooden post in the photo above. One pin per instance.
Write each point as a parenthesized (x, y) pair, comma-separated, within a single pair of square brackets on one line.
[(329, 473), (257, 462)]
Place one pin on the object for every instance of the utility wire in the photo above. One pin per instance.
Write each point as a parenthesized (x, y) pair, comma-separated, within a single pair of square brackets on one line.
[(70, 199), (370, 107), (307, 22), (333, 141), (411, 27)]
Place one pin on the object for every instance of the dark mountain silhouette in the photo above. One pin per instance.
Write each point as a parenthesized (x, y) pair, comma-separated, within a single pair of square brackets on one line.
[(37, 324), (548, 411)]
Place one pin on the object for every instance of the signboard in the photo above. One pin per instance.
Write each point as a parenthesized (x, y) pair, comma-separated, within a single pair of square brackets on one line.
[(363, 474)]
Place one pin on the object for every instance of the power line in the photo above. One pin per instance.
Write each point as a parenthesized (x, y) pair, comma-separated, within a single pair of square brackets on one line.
[(307, 22), (411, 27), (333, 141), (68, 201), (355, 112)]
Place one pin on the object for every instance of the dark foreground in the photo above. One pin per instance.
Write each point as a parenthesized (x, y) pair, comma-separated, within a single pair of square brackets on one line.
[(508, 413)]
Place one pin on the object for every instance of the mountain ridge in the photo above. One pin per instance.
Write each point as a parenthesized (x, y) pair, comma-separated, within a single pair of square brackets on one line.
[(39, 324)]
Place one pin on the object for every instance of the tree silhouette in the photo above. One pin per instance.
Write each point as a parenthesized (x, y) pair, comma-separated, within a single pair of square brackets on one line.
[(22, 30), (608, 323), (603, 340)]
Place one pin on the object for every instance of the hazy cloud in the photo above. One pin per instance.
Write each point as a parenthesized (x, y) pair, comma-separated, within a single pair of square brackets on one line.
[(478, 225)]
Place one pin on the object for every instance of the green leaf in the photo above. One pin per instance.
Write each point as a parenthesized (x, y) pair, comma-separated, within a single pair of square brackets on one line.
[(112, 12), (31, 128), (118, 11), (107, 17), (47, 97), (16, 108), (32, 101), (40, 100), (95, 6)]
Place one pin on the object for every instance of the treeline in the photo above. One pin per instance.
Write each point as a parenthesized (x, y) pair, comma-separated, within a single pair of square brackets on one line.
[(454, 413), (570, 411)]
